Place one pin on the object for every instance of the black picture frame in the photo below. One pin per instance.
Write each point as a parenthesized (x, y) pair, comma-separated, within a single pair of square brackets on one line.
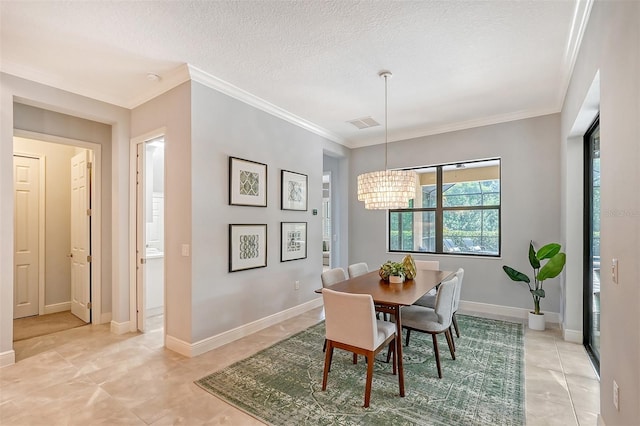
[(293, 241), (294, 190), (247, 183), (247, 246)]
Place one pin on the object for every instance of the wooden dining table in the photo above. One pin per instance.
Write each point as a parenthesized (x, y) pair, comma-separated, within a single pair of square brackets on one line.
[(389, 298)]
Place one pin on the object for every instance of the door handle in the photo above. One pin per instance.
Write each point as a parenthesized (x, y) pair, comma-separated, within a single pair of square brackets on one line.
[(143, 261)]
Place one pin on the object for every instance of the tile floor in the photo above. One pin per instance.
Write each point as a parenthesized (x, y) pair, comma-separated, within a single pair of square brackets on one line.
[(88, 375)]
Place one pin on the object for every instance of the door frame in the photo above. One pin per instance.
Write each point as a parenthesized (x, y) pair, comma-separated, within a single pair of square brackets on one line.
[(587, 256), (96, 216), (133, 229), (41, 223)]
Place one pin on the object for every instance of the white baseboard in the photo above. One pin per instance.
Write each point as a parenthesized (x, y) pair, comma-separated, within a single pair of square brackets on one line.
[(205, 345), (7, 358), (57, 307), (573, 336), (120, 327), (507, 311)]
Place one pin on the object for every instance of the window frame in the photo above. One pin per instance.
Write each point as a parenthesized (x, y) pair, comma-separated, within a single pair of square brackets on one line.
[(439, 213)]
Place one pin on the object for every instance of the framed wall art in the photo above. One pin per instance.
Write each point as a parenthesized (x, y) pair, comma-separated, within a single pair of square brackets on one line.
[(247, 247), (247, 183), (294, 191), (293, 241)]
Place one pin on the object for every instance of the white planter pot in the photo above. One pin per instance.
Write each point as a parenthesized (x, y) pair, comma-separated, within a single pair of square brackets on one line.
[(536, 322), (395, 279)]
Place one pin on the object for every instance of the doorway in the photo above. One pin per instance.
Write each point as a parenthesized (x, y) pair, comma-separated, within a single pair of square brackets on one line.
[(55, 218), (591, 303), (326, 221), (149, 235)]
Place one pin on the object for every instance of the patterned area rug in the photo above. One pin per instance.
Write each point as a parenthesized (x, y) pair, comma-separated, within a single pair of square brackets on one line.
[(281, 385)]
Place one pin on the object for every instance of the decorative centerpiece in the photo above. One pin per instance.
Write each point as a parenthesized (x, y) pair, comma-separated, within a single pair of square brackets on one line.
[(410, 270), (394, 272)]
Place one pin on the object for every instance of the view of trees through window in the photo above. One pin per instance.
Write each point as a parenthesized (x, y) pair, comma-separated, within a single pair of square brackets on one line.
[(456, 210)]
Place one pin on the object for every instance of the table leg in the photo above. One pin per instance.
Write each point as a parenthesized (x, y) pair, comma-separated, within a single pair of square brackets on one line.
[(396, 313)]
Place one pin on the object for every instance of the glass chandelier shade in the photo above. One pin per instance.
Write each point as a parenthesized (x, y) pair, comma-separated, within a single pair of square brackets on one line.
[(387, 189)]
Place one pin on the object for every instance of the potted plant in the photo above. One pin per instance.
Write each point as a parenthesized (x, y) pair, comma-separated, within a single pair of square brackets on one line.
[(393, 272), (555, 261)]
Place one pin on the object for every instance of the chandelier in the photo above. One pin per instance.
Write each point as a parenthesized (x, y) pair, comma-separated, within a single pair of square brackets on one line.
[(386, 189)]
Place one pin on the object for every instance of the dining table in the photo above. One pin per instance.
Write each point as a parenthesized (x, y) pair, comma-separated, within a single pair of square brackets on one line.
[(390, 297)]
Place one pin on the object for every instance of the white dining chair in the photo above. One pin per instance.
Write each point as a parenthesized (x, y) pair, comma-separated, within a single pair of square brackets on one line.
[(351, 325), (357, 269), (332, 276), (433, 321), (429, 301), (432, 265)]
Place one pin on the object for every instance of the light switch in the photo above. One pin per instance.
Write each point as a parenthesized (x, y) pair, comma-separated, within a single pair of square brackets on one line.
[(614, 270), (185, 250)]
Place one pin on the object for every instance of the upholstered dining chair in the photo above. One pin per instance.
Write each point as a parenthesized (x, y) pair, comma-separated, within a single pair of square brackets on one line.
[(433, 321), (429, 301), (332, 276), (431, 265), (357, 269), (351, 325)]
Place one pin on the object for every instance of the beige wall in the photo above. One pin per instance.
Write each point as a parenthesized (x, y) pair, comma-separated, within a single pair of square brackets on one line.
[(57, 279)]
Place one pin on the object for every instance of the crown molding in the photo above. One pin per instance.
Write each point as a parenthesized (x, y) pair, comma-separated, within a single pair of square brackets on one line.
[(243, 96), (581, 16)]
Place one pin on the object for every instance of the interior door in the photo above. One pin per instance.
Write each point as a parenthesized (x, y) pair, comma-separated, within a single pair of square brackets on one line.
[(141, 212), (26, 261), (80, 236)]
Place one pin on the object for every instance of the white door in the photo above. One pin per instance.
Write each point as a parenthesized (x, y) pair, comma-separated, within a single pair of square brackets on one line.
[(26, 266), (80, 225), (141, 238)]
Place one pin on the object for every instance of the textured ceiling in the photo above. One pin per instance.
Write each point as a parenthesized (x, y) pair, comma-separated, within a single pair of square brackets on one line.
[(455, 64)]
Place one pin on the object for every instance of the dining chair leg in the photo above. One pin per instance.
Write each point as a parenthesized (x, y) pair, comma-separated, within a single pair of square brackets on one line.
[(453, 341), (437, 353), (367, 390), (392, 351), (324, 347), (452, 348), (455, 324), (408, 334), (355, 358), (327, 365)]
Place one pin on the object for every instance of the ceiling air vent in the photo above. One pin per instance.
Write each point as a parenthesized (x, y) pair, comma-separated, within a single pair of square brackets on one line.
[(364, 122)]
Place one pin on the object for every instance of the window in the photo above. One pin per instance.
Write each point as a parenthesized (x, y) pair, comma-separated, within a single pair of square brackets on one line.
[(456, 210)]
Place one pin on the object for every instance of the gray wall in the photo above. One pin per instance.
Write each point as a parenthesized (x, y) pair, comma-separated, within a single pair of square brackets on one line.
[(223, 127), (530, 153), (611, 46)]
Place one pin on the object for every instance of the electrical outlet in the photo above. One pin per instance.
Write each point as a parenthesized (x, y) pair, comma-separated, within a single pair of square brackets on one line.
[(614, 270), (296, 286), (616, 395)]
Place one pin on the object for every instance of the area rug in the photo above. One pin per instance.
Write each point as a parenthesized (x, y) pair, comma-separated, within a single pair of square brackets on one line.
[(281, 385)]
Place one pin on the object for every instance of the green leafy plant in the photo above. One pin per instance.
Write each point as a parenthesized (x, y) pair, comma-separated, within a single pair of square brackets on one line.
[(555, 261), (391, 268)]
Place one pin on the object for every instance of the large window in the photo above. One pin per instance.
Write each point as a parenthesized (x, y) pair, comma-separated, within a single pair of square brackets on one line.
[(456, 210)]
